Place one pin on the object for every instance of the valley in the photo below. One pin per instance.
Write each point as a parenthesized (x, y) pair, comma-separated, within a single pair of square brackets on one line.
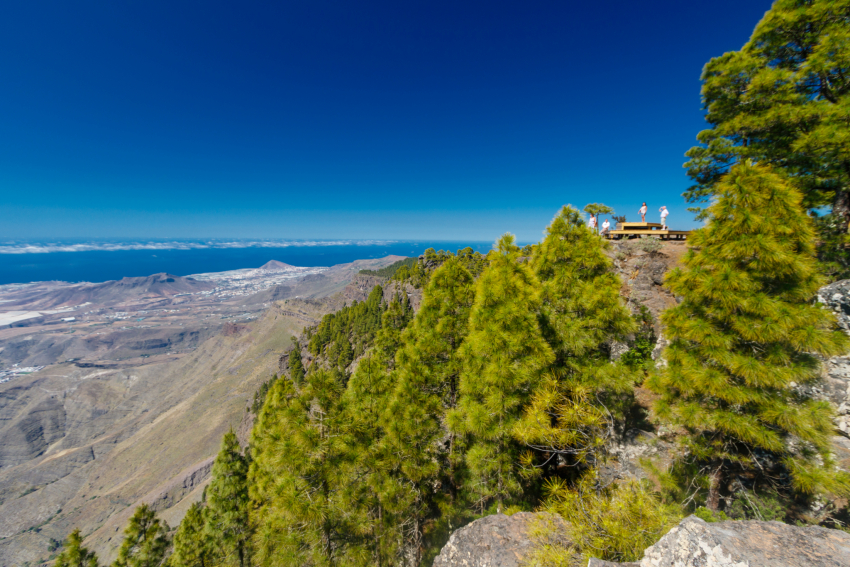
[(128, 402)]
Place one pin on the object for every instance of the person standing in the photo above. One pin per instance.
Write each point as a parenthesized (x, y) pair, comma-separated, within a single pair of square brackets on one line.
[(642, 212), (591, 224), (605, 226), (664, 212)]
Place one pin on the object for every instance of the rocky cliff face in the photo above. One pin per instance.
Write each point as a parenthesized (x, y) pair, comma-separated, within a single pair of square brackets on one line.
[(499, 540), (695, 543), (508, 541)]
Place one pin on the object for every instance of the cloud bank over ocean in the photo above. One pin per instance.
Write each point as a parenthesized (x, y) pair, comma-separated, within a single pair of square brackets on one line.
[(114, 246)]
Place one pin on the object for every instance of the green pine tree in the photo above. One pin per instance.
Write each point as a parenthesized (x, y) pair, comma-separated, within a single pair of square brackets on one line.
[(783, 99), (427, 380), (192, 542), (227, 522), (581, 315), (368, 493), (745, 332), (503, 356), (393, 322), (297, 472), (145, 540), (296, 365), (74, 554)]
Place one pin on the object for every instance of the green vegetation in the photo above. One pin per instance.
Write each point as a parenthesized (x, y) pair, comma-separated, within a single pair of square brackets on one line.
[(390, 270), (145, 540), (74, 554), (418, 275), (342, 336), (502, 392), (192, 544), (296, 365), (745, 334), (260, 395), (582, 313), (226, 518), (503, 358), (783, 99), (616, 522)]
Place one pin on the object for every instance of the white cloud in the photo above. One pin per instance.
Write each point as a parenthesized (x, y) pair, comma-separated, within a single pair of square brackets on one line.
[(44, 248)]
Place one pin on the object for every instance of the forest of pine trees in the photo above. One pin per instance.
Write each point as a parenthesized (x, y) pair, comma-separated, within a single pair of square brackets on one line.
[(501, 393)]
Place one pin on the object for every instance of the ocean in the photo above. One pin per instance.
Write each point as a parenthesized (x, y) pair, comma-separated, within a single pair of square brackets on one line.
[(99, 261)]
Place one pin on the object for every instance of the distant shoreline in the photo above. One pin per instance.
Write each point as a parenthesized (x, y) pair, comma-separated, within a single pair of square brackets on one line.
[(115, 260)]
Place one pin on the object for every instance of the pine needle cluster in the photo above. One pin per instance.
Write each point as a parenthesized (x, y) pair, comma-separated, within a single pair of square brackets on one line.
[(745, 336), (570, 417)]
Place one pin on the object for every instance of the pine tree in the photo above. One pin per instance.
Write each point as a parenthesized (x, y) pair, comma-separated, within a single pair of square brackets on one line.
[(368, 493), (427, 375), (745, 333), (581, 314), (782, 99), (227, 504), (192, 543), (503, 356), (296, 365), (297, 472), (145, 540), (74, 554), (393, 322)]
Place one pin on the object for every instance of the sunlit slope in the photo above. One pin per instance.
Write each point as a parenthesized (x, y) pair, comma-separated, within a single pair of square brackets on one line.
[(122, 437)]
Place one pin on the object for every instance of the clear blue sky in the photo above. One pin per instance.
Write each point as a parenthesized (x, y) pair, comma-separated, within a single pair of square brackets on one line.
[(373, 119)]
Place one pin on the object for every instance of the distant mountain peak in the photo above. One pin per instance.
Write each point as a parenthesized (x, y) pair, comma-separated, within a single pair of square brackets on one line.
[(274, 265)]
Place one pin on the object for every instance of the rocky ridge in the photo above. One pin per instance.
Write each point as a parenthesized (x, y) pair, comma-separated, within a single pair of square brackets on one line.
[(694, 543)]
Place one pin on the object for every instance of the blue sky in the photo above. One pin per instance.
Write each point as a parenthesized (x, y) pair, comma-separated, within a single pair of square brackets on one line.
[(319, 119)]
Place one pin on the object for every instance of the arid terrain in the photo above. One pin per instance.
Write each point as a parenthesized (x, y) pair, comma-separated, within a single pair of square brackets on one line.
[(119, 393)]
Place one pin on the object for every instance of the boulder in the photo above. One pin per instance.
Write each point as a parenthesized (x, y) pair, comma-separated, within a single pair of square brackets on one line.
[(696, 543), (835, 385), (500, 540), (601, 563), (836, 296)]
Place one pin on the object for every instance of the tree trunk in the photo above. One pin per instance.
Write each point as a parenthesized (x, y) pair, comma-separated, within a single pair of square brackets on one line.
[(841, 207), (715, 480)]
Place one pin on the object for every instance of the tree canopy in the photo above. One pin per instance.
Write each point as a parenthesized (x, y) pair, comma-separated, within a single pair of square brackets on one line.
[(782, 100), (746, 334)]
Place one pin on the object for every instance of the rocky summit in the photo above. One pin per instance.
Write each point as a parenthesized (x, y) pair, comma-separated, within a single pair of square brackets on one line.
[(696, 543), (500, 540), (507, 541)]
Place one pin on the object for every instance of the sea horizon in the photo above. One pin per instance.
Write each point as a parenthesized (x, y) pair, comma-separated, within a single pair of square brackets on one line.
[(100, 260)]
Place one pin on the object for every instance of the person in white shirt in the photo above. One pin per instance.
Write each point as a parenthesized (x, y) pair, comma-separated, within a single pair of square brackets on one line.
[(605, 226), (642, 212), (664, 213), (592, 223)]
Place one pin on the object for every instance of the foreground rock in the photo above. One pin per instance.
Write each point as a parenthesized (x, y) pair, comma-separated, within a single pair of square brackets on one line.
[(499, 541), (695, 543)]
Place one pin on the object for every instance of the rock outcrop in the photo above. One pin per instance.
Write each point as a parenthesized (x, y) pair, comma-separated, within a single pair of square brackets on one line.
[(696, 543), (836, 296), (499, 540), (508, 541)]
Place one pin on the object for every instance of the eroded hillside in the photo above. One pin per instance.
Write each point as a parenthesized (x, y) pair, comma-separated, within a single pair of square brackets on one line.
[(81, 445)]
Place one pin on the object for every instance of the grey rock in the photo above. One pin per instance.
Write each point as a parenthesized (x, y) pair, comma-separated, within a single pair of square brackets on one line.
[(836, 296), (600, 563), (499, 540), (618, 349), (835, 385), (696, 543)]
